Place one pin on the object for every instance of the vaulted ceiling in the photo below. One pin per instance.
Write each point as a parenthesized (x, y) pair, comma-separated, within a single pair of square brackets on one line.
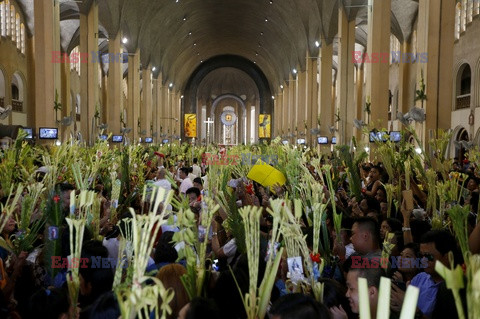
[(176, 36)]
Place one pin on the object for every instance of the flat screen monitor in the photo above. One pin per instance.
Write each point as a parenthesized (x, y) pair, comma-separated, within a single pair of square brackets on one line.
[(117, 138), (103, 137), (148, 139), (29, 132), (48, 133), (322, 140), (285, 142), (378, 137), (334, 140), (395, 136), (165, 141), (301, 141)]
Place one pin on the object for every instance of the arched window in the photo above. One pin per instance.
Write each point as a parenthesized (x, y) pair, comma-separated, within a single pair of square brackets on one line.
[(22, 38), (17, 31), (12, 21), (18, 92), (463, 87), (394, 47), (3, 26), (75, 60), (458, 20), (470, 10), (7, 17)]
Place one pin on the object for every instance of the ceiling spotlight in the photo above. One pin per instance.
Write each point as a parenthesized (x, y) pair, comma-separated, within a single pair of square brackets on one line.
[(294, 71), (154, 69), (170, 85), (281, 86), (190, 33), (273, 97), (266, 19), (254, 62), (317, 44), (184, 18), (124, 40), (261, 33), (256, 53), (181, 97), (194, 44), (271, 2), (201, 61), (198, 53), (176, 1)]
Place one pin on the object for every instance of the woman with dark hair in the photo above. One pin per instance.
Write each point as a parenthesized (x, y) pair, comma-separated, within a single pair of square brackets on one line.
[(374, 183), (106, 306), (50, 303), (298, 306)]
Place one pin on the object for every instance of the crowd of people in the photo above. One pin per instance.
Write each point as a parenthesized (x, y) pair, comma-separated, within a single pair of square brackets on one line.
[(29, 289)]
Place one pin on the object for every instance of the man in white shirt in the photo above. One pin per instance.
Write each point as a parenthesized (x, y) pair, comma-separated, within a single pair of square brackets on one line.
[(186, 182), (161, 180), (196, 170)]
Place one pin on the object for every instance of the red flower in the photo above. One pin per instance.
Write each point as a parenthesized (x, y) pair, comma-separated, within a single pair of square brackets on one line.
[(56, 198), (315, 258), (249, 189)]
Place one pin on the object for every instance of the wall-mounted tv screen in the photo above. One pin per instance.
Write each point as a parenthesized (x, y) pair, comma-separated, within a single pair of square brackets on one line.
[(334, 140), (117, 138), (48, 133), (284, 142), (148, 140), (29, 132), (395, 136), (165, 141), (301, 141), (378, 137), (103, 137), (322, 140)]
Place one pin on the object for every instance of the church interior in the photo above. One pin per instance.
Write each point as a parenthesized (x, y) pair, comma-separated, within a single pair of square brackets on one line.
[(309, 69)]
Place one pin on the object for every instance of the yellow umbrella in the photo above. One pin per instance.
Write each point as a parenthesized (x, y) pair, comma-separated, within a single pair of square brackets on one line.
[(266, 175)]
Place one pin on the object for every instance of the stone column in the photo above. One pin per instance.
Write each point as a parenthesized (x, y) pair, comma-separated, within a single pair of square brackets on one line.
[(359, 99), (345, 81), (378, 43), (146, 111), (325, 88), (44, 48), (115, 91), (312, 97), (405, 93), (133, 108), (301, 103), (89, 72), (435, 36), (65, 100), (286, 126)]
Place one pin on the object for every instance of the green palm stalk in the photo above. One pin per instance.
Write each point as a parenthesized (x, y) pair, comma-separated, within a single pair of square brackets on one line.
[(337, 218), (11, 205), (454, 280), (432, 192), (389, 190)]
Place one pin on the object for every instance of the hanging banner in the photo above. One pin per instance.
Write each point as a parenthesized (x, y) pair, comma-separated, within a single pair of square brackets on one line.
[(264, 126), (190, 125)]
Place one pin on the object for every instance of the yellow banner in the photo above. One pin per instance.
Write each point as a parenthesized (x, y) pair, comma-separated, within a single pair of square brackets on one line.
[(264, 125), (190, 125)]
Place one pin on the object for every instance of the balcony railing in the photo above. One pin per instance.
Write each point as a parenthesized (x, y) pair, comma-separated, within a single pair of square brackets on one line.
[(17, 106), (463, 102)]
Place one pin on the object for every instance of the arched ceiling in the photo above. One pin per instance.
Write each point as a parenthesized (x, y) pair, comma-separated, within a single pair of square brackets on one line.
[(176, 36), (227, 80)]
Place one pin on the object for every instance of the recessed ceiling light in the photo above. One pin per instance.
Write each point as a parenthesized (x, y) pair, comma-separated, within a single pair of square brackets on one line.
[(271, 2), (261, 33), (185, 18), (170, 85), (254, 62), (190, 33), (256, 53), (154, 69), (124, 40), (294, 71), (266, 19), (273, 97), (194, 44), (198, 53), (281, 86), (317, 44), (201, 61), (181, 97)]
